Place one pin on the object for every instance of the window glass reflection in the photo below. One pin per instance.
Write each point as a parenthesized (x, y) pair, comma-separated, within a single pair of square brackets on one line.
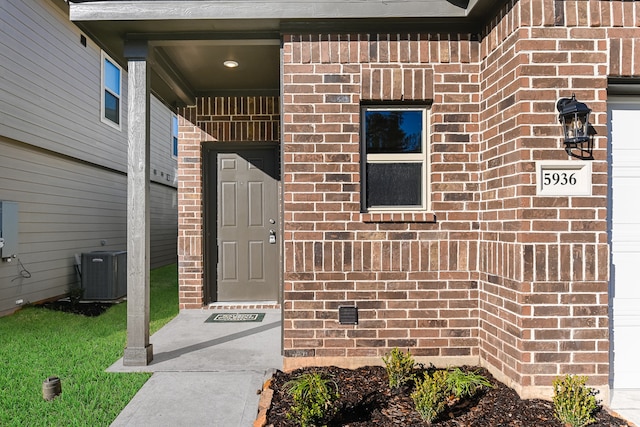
[(111, 77), (393, 131)]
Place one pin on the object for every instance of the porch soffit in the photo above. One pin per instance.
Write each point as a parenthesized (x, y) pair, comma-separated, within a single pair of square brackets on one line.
[(190, 39)]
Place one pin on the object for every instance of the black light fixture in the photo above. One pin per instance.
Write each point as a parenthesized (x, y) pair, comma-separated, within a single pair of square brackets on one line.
[(578, 132)]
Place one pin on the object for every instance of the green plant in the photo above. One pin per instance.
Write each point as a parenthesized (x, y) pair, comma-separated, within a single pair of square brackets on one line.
[(36, 343), (313, 396), (440, 388), (399, 367), (574, 403), (465, 384), (430, 395)]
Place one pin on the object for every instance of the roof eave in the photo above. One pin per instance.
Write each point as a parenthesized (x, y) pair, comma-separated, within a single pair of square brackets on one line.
[(266, 9)]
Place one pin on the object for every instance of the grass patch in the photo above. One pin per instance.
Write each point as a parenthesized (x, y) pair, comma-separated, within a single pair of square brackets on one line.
[(37, 343)]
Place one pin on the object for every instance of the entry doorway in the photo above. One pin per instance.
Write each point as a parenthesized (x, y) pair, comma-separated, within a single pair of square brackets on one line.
[(242, 222), (624, 237)]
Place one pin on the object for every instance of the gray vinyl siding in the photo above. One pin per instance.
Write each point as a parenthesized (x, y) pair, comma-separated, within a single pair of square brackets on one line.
[(62, 165), (66, 207), (162, 162), (51, 86), (50, 92), (164, 226)]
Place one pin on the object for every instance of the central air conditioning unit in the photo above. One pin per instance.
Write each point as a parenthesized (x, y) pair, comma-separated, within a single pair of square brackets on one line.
[(104, 275)]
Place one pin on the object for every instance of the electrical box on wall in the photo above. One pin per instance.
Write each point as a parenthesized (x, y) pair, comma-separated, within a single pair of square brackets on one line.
[(8, 230)]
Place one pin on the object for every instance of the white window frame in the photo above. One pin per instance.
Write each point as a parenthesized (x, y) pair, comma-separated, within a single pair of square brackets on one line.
[(422, 157), (174, 136), (103, 117)]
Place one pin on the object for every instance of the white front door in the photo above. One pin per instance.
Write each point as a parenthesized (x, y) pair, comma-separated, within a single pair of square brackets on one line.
[(624, 214)]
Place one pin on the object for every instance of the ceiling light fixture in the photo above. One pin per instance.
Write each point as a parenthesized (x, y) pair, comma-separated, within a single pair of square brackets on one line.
[(230, 64)]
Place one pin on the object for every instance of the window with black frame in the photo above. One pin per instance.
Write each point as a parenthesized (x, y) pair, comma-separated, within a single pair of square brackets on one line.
[(394, 147)]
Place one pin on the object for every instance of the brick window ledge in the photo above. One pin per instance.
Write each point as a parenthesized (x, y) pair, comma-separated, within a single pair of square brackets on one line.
[(395, 217)]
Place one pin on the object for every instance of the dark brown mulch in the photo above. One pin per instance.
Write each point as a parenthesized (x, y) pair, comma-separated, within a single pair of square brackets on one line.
[(366, 400), (84, 308)]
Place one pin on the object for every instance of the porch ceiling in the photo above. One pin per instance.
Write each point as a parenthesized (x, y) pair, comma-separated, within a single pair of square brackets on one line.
[(192, 38)]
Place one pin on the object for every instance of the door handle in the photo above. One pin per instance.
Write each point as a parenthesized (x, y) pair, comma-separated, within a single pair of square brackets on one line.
[(272, 236)]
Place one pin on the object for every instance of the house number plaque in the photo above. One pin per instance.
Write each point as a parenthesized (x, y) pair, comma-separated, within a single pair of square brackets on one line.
[(556, 178)]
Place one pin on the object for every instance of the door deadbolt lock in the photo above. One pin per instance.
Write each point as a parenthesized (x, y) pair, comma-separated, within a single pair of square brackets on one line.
[(272, 236)]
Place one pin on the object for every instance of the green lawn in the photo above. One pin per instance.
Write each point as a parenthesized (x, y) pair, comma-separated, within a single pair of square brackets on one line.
[(36, 343)]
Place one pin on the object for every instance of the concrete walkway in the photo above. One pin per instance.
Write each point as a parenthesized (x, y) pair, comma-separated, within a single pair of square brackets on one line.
[(205, 374)]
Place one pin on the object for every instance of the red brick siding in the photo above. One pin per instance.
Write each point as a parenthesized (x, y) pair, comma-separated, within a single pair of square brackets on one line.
[(544, 260), (492, 271), (413, 279), (242, 119), (223, 119), (190, 211)]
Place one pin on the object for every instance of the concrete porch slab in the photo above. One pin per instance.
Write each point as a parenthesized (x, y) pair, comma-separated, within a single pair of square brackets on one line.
[(205, 373)]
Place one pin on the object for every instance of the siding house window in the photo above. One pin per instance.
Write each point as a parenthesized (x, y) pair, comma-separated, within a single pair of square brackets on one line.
[(395, 168), (174, 136), (111, 91)]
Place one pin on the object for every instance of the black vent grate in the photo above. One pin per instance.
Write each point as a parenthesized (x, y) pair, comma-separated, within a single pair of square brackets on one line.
[(348, 315)]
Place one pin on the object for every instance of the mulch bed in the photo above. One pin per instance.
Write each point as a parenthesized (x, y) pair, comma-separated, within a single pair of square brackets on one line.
[(84, 308), (366, 400)]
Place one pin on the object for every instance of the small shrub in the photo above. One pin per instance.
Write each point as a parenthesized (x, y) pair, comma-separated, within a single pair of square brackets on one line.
[(574, 403), (313, 397), (465, 384), (430, 395), (399, 368)]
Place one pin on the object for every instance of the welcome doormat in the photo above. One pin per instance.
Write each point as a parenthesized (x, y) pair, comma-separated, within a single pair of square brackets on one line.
[(235, 317)]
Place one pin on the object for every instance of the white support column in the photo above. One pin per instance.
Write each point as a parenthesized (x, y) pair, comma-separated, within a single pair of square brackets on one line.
[(139, 352)]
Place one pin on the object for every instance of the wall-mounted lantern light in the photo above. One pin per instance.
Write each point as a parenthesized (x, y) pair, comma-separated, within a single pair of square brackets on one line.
[(578, 132)]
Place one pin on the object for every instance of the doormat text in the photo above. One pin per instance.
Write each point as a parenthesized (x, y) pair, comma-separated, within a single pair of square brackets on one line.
[(235, 317)]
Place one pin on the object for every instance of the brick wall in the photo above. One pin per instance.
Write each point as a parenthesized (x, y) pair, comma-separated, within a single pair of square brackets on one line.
[(222, 119), (544, 260), (538, 266), (492, 273), (413, 278), (238, 119)]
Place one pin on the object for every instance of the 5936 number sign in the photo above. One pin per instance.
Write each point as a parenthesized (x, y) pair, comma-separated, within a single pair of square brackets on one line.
[(563, 178), (559, 178)]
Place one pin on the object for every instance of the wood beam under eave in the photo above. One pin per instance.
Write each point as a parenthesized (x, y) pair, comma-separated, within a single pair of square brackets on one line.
[(264, 9), (169, 73)]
